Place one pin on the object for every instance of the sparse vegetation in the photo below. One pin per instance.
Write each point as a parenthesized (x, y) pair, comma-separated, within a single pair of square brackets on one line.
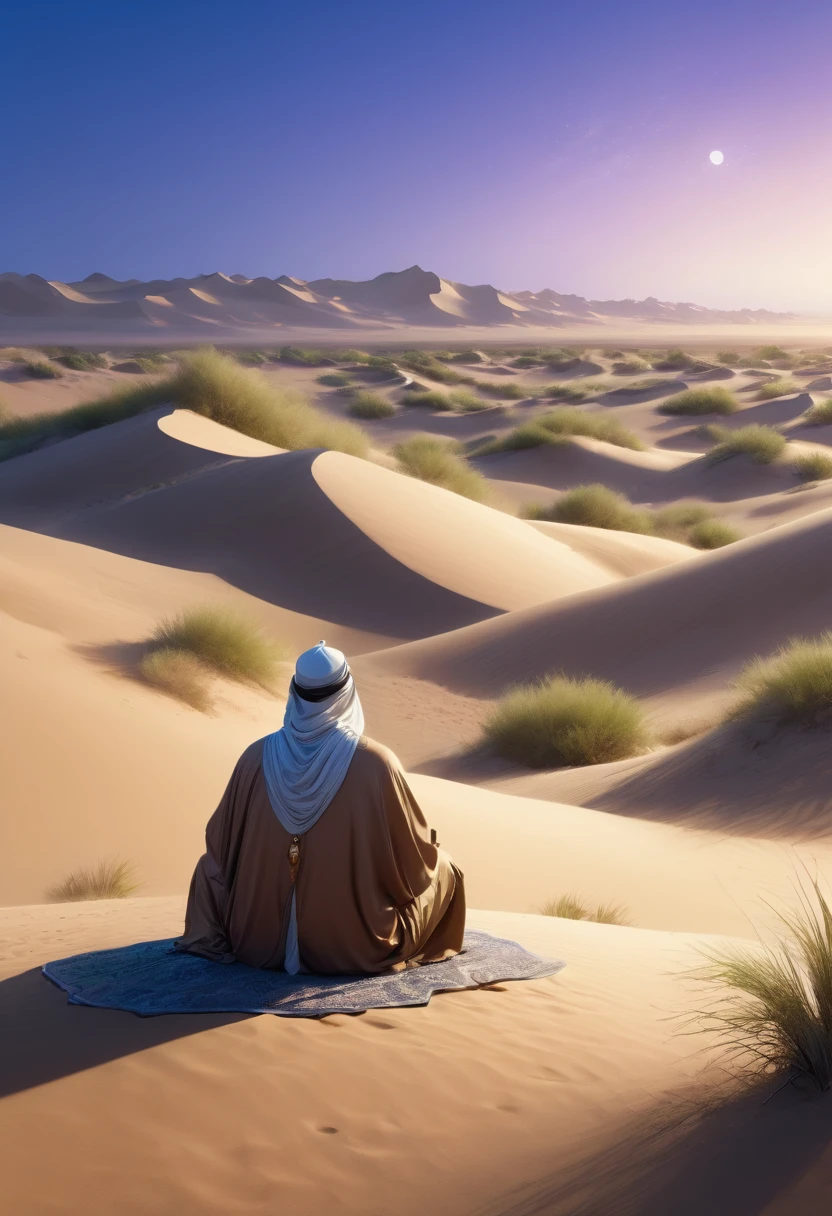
[(772, 352), (631, 366), (565, 721), (459, 401), (596, 506), (335, 379), (673, 360), (795, 683), (39, 369), (304, 356), (762, 443), (773, 1008), (252, 358), (813, 466), (107, 880), (729, 357), (572, 907), (820, 414), (222, 641), (82, 360), (508, 391), (559, 425), (440, 464), (364, 404), (573, 390), (777, 388), (706, 400), (207, 383), (178, 673), (425, 364)]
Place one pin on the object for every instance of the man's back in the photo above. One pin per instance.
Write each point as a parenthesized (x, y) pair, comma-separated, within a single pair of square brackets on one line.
[(371, 890)]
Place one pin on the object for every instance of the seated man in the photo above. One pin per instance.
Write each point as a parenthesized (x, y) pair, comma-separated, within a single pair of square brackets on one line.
[(318, 857)]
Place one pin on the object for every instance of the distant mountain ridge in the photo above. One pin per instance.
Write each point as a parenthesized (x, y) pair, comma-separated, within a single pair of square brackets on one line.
[(414, 297)]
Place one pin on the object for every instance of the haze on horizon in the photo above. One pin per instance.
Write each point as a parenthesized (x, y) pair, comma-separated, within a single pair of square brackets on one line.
[(527, 146)]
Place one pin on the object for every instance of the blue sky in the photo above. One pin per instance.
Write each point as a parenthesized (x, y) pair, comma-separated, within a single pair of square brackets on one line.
[(527, 144)]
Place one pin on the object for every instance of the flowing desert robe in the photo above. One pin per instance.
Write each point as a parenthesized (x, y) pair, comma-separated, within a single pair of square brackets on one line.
[(372, 892)]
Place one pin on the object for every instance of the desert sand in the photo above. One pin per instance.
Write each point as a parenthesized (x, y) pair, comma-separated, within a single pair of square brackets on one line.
[(570, 1095)]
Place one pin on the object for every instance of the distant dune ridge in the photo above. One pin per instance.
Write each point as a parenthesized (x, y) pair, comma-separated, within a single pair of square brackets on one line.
[(212, 304)]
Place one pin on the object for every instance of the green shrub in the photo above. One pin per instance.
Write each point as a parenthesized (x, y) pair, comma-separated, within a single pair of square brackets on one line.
[(596, 506), (82, 360), (772, 352), (730, 357), (221, 640), (178, 673), (107, 880), (209, 384), (364, 404), (506, 392), (761, 443), (436, 462), (335, 379), (41, 370), (777, 388), (796, 682), (712, 534), (773, 1004), (704, 400), (564, 721), (814, 466), (572, 907), (820, 414)]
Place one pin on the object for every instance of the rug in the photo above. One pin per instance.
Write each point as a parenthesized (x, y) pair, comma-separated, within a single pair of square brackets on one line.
[(151, 978)]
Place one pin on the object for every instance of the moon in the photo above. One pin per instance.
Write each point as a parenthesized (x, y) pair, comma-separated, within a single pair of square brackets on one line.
[(716, 158)]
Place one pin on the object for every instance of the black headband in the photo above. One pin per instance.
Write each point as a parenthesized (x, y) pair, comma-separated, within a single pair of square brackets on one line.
[(321, 694)]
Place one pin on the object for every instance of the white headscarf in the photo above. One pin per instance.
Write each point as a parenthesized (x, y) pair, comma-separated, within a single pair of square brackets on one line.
[(305, 763)]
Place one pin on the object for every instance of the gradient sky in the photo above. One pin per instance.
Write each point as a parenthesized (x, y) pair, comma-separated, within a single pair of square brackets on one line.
[(528, 144)]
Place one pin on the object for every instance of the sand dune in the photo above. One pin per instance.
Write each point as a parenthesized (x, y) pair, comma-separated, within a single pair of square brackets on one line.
[(622, 553), (639, 475)]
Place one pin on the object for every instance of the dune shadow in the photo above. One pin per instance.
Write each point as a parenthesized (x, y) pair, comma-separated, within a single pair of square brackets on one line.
[(44, 1038), (689, 1157)]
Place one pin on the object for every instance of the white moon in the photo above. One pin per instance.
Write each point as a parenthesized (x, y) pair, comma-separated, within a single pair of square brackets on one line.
[(716, 158)]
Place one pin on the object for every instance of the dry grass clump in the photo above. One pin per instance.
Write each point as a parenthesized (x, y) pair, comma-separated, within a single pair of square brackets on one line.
[(772, 352), (777, 388), (820, 414), (39, 369), (107, 880), (564, 721), (335, 379), (305, 356), (209, 384), (507, 391), (364, 404), (773, 1004), (596, 506), (573, 390), (729, 357), (223, 641), (82, 360), (425, 364), (459, 401), (442, 465), (705, 400), (673, 360), (558, 426), (795, 683), (762, 443), (631, 366), (813, 466), (572, 907), (178, 673)]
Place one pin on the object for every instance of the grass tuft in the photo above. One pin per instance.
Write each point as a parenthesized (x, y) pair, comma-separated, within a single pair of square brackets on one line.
[(228, 644), (596, 506), (762, 443), (773, 1004), (365, 404), (335, 379), (705, 400), (458, 402), (820, 414), (561, 424), (795, 682), (436, 462), (107, 880), (813, 466), (82, 360), (729, 357), (712, 534), (777, 388), (39, 369), (564, 721)]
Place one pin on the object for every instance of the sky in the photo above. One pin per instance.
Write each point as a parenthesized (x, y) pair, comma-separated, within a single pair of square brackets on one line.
[(527, 144)]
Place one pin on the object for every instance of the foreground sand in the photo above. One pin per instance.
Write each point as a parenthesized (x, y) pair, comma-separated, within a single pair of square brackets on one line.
[(477, 1103)]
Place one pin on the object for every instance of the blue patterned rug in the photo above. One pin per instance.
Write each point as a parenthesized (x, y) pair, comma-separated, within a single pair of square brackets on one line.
[(150, 978)]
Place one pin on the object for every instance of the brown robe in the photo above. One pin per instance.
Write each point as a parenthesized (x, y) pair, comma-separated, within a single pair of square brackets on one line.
[(372, 892)]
